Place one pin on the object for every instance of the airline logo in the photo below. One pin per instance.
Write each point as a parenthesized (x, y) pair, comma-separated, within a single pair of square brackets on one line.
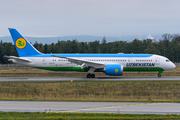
[(20, 43), (140, 64), (116, 70)]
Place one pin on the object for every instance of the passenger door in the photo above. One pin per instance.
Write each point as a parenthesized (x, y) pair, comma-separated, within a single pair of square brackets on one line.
[(157, 62)]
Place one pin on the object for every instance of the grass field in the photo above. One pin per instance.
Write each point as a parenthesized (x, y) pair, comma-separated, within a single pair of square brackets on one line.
[(33, 72), (81, 116), (151, 91), (168, 91)]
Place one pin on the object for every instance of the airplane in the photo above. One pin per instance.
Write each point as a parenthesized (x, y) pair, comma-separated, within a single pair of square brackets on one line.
[(110, 64)]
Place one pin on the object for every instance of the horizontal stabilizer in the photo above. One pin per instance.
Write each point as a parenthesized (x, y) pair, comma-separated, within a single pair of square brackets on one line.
[(17, 58)]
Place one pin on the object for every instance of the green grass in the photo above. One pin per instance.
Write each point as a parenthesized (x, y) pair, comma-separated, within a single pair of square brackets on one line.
[(144, 91), (81, 116)]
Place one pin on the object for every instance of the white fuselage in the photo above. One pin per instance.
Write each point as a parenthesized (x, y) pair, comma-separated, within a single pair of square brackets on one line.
[(152, 61)]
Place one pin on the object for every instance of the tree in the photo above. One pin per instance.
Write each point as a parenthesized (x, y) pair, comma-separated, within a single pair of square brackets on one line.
[(136, 46), (168, 37), (94, 47), (73, 46), (103, 45), (169, 45), (117, 47), (81, 47), (151, 49), (45, 48)]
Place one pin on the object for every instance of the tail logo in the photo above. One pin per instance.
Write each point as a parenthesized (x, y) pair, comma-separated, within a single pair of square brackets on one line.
[(20, 43)]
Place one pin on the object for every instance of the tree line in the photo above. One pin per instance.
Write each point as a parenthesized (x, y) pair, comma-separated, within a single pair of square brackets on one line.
[(168, 46)]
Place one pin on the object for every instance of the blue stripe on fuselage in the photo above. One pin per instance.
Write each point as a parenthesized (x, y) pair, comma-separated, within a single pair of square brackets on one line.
[(93, 55)]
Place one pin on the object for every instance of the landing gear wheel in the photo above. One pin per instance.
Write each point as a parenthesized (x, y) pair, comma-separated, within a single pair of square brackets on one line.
[(88, 75), (159, 75), (93, 76)]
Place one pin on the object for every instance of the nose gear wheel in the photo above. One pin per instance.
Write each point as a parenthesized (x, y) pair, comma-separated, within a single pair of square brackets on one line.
[(159, 75)]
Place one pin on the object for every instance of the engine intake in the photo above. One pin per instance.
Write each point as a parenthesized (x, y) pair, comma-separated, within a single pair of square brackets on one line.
[(114, 70)]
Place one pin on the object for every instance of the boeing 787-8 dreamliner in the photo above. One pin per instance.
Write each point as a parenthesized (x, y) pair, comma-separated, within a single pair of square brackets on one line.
[(110, 64)]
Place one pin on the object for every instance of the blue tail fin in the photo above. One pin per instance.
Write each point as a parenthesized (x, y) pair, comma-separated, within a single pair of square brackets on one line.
[(23, 47)]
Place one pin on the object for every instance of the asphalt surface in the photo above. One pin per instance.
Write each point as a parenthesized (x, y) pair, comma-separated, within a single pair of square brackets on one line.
[(163, 78), (92, 107)]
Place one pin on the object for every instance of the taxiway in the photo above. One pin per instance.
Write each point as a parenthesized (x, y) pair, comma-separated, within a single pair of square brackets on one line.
[(146, 78), (92, 107)]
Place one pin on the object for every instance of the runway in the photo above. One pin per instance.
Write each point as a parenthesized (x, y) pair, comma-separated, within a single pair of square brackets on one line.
[(92, 107), (41, 79)]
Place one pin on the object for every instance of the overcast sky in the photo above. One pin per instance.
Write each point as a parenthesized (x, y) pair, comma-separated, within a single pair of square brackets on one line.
[(90, 17)]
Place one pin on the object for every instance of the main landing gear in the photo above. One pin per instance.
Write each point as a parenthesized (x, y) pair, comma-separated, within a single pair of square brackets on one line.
[(90, 75), (159, 75)]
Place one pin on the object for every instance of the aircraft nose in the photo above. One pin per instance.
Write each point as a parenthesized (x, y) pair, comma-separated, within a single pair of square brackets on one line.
[(173, 66)]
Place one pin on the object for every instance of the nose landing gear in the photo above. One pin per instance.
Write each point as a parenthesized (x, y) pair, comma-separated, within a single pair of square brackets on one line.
[(159, 75)]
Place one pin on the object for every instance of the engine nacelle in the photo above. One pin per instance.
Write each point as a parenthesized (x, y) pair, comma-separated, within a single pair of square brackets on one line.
[(113, 69)]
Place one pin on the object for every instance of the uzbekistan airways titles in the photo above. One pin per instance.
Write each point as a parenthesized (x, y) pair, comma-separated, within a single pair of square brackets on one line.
[(140, 64)]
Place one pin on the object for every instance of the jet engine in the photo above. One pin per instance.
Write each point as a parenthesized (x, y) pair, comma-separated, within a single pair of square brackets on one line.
[(113, 69)]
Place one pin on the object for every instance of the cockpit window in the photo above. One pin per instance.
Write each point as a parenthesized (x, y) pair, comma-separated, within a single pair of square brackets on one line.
[(167, 60)]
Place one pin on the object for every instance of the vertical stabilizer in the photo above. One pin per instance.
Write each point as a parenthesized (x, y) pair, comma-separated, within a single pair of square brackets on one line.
[(23, 47)]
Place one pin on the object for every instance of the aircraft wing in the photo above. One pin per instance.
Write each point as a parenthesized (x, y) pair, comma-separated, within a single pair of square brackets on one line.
[(17, 58), (83, 63)]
